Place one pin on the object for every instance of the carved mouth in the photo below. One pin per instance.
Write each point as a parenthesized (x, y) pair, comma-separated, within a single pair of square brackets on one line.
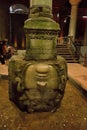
[(41, 76), (41, 79)]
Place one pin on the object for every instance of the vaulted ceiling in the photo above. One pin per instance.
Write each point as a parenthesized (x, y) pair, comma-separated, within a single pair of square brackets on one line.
[(58, 5), (62, 7)]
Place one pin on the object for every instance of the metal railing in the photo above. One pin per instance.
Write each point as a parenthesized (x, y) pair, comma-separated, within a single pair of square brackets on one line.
[(68, 40)]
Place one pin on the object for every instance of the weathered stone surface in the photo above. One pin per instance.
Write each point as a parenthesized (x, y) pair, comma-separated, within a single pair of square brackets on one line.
[(41, 8), (37, 86), (37, 76), (41, 37)]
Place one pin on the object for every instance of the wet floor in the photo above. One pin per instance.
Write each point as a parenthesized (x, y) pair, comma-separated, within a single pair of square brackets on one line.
[(72, 114)]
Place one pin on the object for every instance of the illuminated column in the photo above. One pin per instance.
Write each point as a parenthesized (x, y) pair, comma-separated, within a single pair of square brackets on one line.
[(73, 18), (41, 7), (40, 2)]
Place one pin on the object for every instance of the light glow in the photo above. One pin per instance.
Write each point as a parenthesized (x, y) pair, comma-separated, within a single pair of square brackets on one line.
[(85, 17)]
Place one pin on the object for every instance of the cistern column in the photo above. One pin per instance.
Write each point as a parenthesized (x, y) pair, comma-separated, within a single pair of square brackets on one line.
[(41, 8), (73, 18), (43, 3)]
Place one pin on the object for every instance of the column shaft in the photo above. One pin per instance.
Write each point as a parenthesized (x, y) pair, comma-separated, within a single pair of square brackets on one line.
[(73, 18), (73, 21), (41, 2)]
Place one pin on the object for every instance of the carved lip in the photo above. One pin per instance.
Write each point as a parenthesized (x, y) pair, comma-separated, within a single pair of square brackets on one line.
[(41, 76)]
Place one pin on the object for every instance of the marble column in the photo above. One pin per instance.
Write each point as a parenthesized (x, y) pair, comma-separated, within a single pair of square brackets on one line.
[(41, 7), (40, 2), (73, 18)]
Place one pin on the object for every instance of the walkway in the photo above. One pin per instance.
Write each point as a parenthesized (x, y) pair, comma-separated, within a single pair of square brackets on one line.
[(78, 74)]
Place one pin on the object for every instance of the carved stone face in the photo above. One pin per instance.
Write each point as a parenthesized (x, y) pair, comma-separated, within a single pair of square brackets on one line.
[(41, 75), (39, 86), (41, 79)]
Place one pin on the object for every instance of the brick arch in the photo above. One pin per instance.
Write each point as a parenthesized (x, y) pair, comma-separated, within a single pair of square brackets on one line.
[(18, 8)]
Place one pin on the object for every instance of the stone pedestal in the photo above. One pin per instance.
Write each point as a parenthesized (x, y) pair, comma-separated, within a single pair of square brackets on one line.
[(37, 76)]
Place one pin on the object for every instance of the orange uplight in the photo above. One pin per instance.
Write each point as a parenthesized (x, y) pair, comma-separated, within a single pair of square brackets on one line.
[(15, 41), (23, 45)]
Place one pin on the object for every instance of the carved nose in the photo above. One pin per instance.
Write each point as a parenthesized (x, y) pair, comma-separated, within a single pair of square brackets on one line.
[(42, 68)]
